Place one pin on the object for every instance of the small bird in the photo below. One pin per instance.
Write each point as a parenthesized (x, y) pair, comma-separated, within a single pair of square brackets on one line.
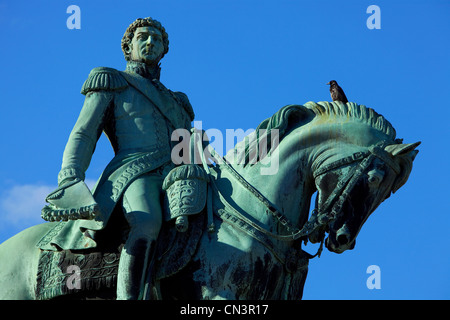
[(336, 92)]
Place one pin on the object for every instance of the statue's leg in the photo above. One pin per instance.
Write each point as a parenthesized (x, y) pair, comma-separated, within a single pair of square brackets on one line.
[(142, 209)]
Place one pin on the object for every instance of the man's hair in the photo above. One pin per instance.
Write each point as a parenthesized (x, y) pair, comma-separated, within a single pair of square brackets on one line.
[(143, 22)]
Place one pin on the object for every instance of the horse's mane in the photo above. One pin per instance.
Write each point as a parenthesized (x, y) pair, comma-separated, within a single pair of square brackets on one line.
[(247, 151), (354, 111)]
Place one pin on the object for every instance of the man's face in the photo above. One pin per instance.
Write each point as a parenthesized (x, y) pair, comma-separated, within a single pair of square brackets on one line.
[(147, 45)]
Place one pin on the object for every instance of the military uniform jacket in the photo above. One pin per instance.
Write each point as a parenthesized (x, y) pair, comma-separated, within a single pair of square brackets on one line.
[(138, 116)]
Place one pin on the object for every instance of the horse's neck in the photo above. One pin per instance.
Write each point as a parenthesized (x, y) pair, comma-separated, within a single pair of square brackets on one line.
[(285, 177), (285, 183)]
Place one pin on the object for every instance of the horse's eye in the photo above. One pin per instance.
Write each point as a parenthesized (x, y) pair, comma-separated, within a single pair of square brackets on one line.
[(375, 177)]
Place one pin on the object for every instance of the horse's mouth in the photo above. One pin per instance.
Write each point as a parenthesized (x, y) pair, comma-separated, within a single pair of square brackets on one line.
[(340, 240)]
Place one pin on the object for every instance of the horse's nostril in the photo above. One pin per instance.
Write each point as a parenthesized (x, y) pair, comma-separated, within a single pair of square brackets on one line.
[(342, 239)]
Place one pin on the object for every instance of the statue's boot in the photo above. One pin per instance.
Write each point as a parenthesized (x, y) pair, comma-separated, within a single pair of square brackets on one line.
[(134, 263)]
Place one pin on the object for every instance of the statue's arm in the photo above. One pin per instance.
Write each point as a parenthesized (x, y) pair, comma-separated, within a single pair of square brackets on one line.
[(99, 88), (186, 104), (84, 136)]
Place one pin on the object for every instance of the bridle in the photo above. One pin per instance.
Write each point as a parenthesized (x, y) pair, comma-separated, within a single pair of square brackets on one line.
[(344, 186), (332, 207), (329, 211)]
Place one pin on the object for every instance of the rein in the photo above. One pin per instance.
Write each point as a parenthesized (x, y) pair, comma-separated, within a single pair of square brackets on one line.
[(319, 218)]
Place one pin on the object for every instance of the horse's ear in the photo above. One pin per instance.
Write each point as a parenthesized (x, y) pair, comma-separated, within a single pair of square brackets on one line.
[(403, 149), (404, 154)]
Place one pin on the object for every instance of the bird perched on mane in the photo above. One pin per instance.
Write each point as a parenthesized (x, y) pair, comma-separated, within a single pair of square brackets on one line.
[(336, 92)]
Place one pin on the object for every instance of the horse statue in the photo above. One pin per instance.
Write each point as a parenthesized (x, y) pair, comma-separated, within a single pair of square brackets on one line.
[(247, 242)]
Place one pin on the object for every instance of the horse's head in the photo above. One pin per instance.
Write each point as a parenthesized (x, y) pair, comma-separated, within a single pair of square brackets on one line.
[(347, 152), (352, 187)]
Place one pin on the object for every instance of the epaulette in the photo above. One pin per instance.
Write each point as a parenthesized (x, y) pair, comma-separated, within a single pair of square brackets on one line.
[(103, 78), (186, 104)]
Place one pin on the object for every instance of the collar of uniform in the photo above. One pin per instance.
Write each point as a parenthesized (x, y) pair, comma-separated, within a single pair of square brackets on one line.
[(143, 70)]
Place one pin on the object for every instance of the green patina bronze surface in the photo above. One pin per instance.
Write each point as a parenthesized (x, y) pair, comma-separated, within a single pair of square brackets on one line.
[(225, 228)]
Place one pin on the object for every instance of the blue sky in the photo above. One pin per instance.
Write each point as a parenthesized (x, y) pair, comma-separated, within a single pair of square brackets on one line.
[(239, 62)]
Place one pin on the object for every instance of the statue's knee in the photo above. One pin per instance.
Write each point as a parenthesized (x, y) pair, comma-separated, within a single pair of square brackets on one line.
[(144, 225), (142, 215)]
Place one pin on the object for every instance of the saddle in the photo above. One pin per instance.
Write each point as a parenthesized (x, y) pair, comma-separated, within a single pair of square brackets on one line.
[(93, 273)]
